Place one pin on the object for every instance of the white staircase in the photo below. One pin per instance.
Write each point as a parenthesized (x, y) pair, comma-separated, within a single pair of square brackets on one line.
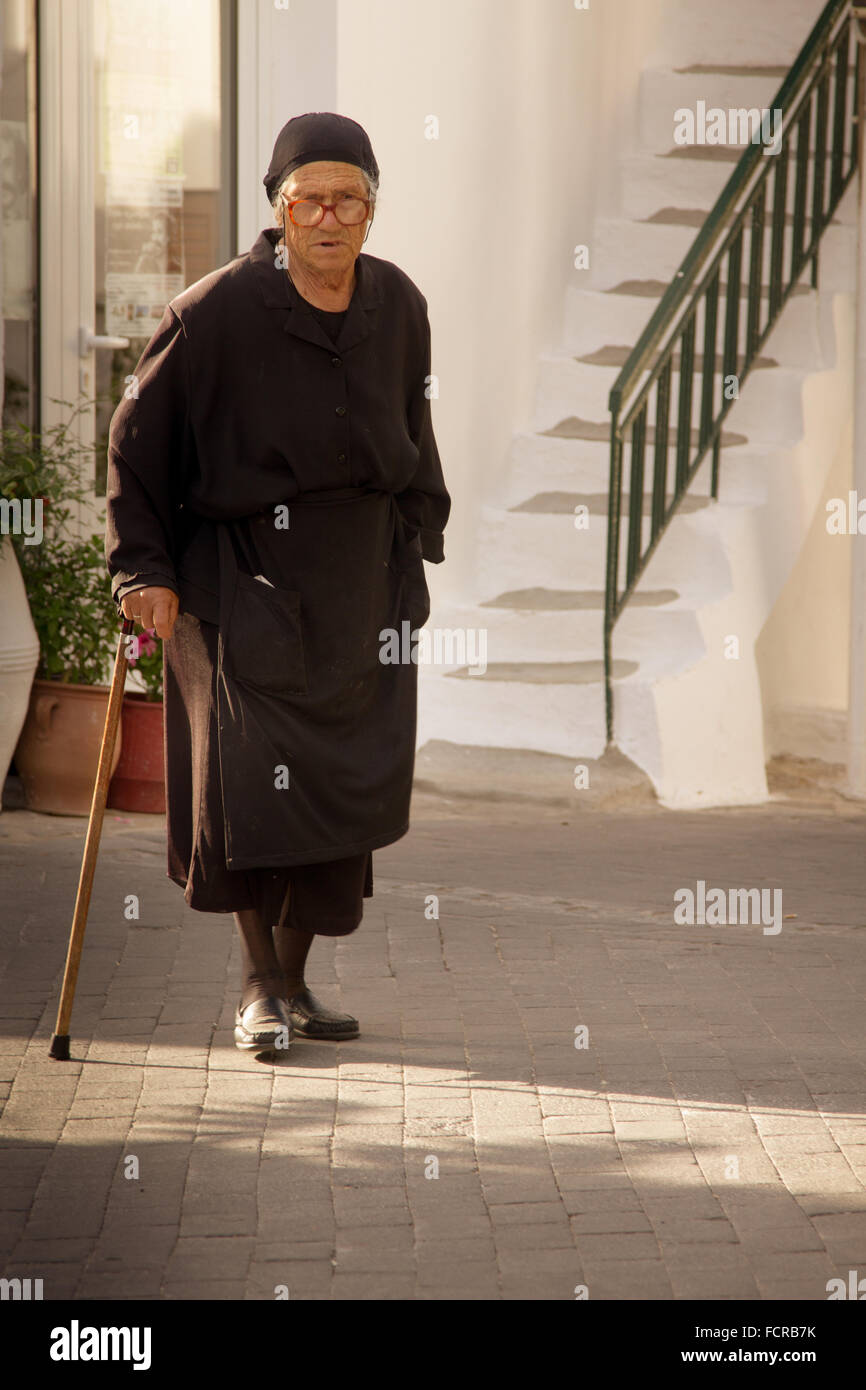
[(685, 712)]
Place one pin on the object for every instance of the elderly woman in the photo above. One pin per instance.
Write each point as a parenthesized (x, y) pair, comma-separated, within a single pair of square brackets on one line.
[(273, 489)]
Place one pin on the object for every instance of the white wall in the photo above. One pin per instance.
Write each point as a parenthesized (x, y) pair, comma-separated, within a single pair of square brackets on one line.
[(803, 650)]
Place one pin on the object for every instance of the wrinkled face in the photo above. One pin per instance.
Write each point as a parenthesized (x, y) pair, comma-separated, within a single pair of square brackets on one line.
[(329, 246)]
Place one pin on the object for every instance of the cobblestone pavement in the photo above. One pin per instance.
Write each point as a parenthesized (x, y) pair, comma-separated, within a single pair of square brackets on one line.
[(709, 1142)]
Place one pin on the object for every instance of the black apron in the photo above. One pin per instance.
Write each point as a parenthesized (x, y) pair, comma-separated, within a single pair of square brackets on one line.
[(310, 769)]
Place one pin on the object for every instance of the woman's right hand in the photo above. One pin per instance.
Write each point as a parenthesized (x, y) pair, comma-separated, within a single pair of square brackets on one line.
[(153, 607)]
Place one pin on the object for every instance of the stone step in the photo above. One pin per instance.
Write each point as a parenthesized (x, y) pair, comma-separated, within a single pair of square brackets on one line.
[(646, 182), (591, 318), (550, 552), (696, 217), (579, 600), (552, 707), (664, 91), (654, 289), (681, 178), (489, 636), (560, 717), (520, 775), (616, 355), (771, 33), (654, 253), (539, 463), (569, 465), (599, 430), (568, 388), (596, 503), (550, 672), (735, 70)]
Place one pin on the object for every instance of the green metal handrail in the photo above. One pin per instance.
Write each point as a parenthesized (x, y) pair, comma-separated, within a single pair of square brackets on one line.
[(798, 211)]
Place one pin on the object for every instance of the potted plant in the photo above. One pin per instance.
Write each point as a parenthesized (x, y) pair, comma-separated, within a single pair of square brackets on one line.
[(73, 613), (138, 783)]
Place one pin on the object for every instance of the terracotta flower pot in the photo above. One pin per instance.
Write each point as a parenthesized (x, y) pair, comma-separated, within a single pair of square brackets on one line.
[(58, 752), (138, 783)]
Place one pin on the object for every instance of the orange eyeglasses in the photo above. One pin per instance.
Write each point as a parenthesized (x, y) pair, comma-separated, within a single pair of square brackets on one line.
[(350, 212)]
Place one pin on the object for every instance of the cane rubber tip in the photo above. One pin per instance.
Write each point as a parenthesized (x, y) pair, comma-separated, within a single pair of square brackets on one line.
[(59, 1049)]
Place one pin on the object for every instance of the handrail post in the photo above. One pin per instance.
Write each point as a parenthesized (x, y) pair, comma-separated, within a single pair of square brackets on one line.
[(613, 518)]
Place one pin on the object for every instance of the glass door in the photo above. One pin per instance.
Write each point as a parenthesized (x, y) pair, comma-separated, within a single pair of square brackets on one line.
[(145, 202), (18, 196), (158, 179)]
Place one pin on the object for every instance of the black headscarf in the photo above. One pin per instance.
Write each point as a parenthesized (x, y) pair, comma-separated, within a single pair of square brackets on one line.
[(319, 135)]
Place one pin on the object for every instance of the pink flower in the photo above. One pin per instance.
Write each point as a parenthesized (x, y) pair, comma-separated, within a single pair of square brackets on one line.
[(147, 642)]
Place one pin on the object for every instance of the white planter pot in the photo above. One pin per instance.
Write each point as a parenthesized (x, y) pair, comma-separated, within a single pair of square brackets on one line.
[(19, 653)]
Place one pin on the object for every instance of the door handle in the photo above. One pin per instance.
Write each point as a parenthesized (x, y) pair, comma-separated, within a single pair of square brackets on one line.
[(88, 340)]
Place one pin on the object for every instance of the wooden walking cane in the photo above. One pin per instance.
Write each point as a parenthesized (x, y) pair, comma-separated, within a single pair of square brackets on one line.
[(59, 1049)]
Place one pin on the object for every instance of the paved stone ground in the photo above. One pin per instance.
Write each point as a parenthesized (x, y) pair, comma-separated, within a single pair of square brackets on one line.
[(708, 1143)]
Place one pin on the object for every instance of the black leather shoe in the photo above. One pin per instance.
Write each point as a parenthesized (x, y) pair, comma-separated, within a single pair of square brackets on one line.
[(311, 1019), (264, 1026)]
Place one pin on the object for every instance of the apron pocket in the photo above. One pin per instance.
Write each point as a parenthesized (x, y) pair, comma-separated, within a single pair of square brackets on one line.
[(264, 646)]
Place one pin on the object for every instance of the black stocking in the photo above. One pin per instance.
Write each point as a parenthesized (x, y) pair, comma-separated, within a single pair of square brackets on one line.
[(292, 946), (262, 971), (273, 958)]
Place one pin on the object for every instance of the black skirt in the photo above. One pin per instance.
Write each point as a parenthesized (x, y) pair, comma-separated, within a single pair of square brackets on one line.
[(324, 898)]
